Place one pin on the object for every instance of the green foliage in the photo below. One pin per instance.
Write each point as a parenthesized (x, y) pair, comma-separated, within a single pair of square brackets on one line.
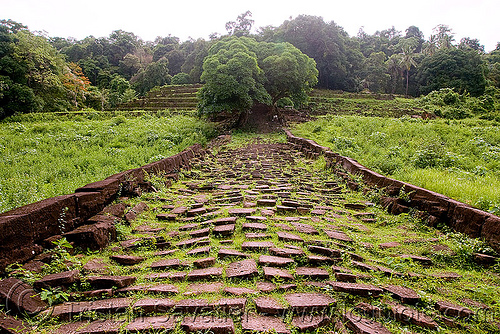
[(458, 158), (242, 25), (181, 79), (288, 72), (449, 104), (433, 155), (36, 69), (452, 68), (338, 57), (285, 102), (375, 75), (54, 296), (119, 91), (241, 71), (154, 75), (46, 155), (233, 79)]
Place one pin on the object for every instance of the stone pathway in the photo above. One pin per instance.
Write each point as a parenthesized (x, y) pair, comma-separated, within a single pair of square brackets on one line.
[(257, 238)]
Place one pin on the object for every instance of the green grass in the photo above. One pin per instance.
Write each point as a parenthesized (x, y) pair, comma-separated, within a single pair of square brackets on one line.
[(477, 284), (362, 104), (459, 158), (46, 155)]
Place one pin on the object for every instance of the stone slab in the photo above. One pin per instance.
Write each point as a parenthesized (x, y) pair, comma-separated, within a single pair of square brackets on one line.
[(403, 294), (154, 305), (106, 282), (256, 323), (453, 310), (168, 264), (274, 261), (209, 324), (253, 226), (362, 325), (289, 237), (286, 252), (198, 288), (341, 236), (224, 230), (271, 273), (269, 305), (205, 262), (227, 252), (151, 324), (306, 323), (406, 314), (200, 251), (241, 211), (312, 273), (206, 273), (127, 260), (256, 245), (64, 278), (309, 302), (107, 306), (356, 289), (242, 269), (239, 291)]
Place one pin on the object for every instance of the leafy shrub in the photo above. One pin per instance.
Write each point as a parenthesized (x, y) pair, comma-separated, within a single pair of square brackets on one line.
[(388, 165), (442, 97), (181, 79), (285, 102), (343, 143), (452, 112), (433, 155), (449, 104), (118, 120)]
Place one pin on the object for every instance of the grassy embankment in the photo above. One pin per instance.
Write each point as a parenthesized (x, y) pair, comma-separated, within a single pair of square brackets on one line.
[(458, 158), (46, 155)]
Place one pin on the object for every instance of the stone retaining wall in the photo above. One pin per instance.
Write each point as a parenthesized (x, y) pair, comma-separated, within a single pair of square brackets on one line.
[(439, 208), (25, 230)]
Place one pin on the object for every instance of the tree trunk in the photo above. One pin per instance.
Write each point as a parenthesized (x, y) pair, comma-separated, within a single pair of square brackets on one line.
[(243, 119), (407, 79)]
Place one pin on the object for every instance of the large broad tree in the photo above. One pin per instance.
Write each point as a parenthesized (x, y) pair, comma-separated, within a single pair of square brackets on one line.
[(241, 72), (454, 68), (375, 73), (232, 76), (338, 57), (288, 72)]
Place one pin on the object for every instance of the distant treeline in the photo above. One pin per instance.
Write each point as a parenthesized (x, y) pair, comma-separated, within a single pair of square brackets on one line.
[(41, 73)]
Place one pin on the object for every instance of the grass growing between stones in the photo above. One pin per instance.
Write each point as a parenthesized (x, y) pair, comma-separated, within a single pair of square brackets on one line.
[(458, 158), (369, 228), (44, 156)]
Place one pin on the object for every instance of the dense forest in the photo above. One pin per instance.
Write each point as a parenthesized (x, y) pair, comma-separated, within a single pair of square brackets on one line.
[(42, 73)]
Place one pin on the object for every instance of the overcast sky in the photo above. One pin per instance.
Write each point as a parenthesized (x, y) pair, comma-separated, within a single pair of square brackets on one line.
[(197, 19)]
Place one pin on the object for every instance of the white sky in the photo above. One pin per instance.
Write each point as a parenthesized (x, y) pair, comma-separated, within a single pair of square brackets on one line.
[(194, 18)]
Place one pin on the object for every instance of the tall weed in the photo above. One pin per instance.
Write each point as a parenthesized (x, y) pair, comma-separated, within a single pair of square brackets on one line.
[(458, 158), (44, 156)]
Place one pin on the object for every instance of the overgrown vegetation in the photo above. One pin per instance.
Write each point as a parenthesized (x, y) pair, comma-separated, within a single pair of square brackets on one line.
[(239, 72), (458, 158), (44, 155), (474, 287), (103, 72)]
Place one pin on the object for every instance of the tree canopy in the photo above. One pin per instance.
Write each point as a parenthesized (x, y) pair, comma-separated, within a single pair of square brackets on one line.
[(239, 72), (41, 73), (452, 68)]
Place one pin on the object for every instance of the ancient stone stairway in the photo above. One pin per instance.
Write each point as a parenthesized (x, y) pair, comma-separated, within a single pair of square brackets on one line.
[(181, 97), (258, 238)]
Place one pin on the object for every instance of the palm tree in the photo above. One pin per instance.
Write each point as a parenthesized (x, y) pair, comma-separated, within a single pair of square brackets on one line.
[(407, 61), (431, 45)]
